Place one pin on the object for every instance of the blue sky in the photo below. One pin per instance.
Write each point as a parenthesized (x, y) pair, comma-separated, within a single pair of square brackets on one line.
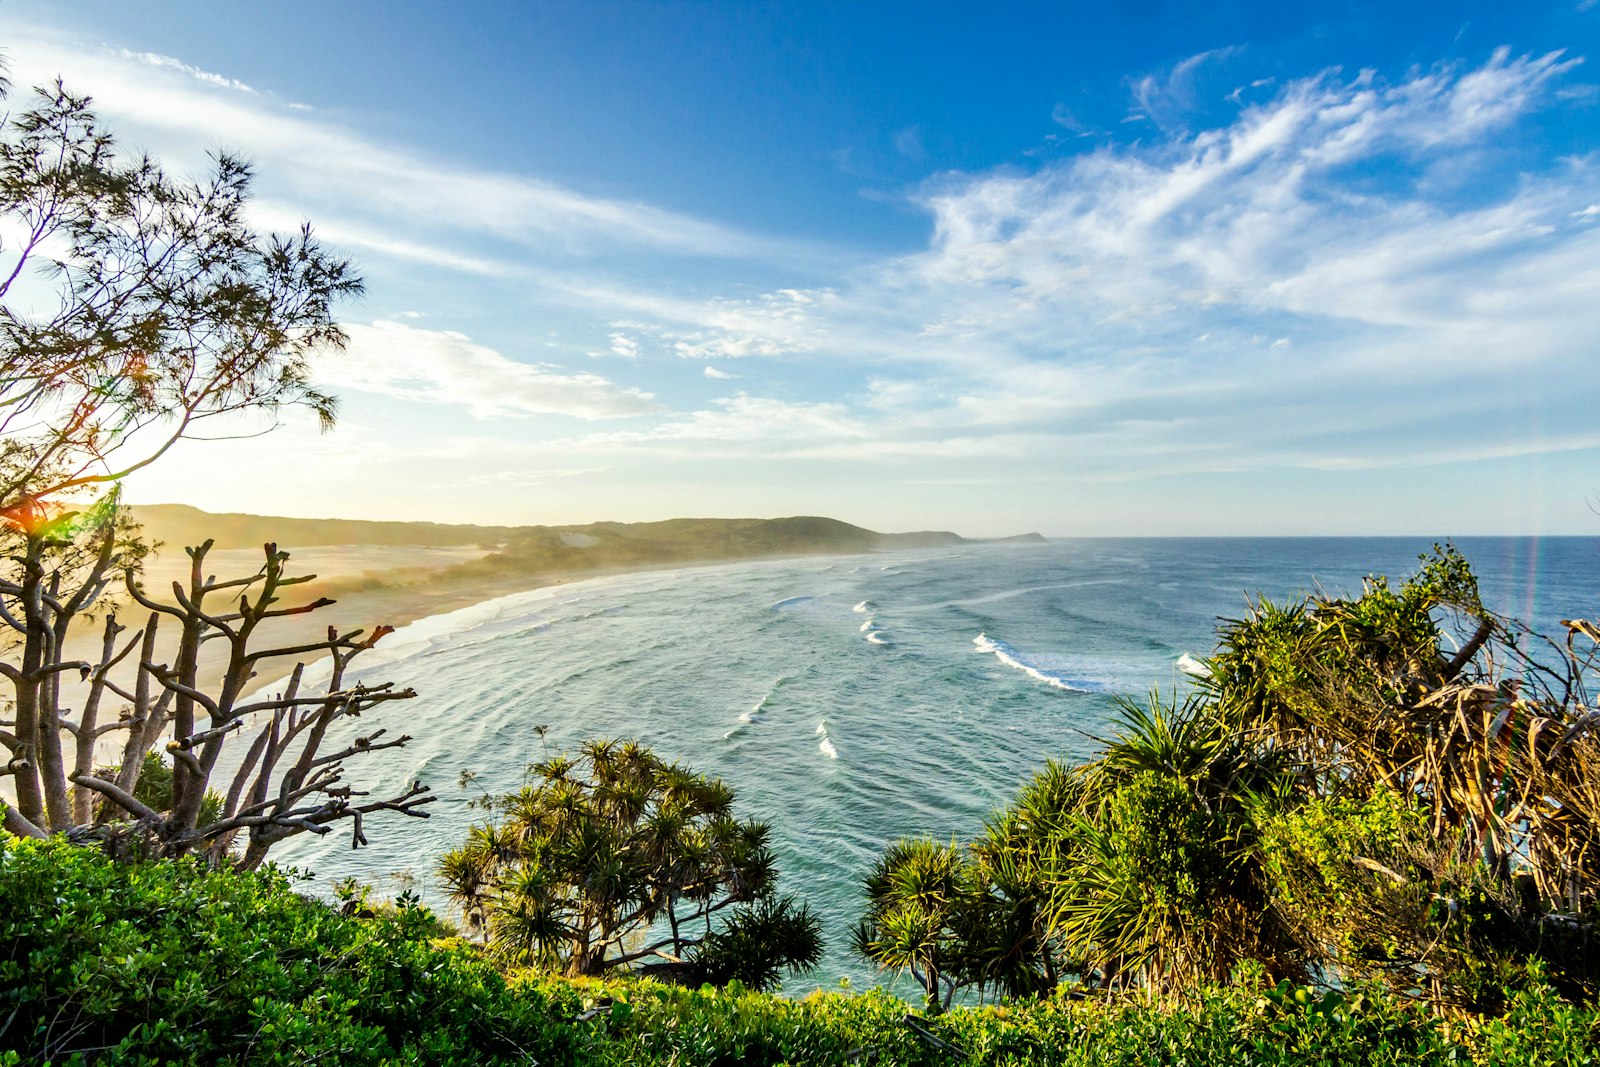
[(1125, 268)]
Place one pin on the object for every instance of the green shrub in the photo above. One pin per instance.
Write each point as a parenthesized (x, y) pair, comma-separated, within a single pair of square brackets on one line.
[(171, 962), (168, 962)]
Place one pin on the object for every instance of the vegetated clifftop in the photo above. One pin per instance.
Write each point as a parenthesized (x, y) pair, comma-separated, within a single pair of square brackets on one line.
[(529, 550), (604, 545), (180, 524)]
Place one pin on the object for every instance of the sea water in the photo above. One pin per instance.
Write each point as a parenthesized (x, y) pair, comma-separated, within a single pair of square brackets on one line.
[(849, 701)]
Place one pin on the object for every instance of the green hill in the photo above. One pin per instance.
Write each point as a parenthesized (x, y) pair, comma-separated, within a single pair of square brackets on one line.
[(527, 550), (180, 524), (610, 545)]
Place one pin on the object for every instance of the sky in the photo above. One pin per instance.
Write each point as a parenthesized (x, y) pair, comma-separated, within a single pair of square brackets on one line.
[(1134, 268)]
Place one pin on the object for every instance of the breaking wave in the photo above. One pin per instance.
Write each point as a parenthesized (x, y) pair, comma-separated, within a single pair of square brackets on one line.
[(1033, 668)]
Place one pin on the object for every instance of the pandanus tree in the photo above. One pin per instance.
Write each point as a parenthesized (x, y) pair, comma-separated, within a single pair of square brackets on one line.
[(1446, 828), (1397, 785), (956, 917), (1150, 875), (613, 858)]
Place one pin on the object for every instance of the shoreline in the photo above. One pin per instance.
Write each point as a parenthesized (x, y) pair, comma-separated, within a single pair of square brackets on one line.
[(402, 591), (419, 600)]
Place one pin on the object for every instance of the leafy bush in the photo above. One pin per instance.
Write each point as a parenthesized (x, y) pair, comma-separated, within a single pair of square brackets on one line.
[(167, 962), (171, 962), (1248, 1023)]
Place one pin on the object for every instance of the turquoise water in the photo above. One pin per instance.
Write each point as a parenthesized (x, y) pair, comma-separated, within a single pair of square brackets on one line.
[(849, 700)]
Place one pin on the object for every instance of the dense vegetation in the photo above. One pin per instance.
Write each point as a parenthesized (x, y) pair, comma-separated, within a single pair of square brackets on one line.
[(1397, 787), (179, 524), (118, 963)]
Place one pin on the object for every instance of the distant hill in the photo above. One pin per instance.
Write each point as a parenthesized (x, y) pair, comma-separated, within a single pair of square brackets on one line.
[(610, 545), (179, 524), (541, 550)]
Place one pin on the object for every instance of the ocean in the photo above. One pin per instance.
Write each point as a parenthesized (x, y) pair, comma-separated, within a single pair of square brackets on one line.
[(848, 701)]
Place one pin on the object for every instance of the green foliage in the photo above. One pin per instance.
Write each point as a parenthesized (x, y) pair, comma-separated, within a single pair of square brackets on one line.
[(153, 787), (758, 941), (168, 309), (612, 848), (1149, 873), (1247, 1022), (1361, 789), (917, 897), (172, 962)]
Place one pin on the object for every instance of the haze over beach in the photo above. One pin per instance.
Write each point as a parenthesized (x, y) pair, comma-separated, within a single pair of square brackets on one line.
[(1131, 269), (661, 532)]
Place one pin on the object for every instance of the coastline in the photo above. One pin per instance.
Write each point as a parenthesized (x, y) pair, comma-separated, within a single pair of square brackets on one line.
[(376, 586), (405, 606)]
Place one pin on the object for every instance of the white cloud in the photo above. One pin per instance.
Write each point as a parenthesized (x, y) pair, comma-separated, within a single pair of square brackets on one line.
[(1255, 215), (774, 324), (351, 180), (1167, 97), (445, 367), (747, 420), (1123, 313), (1058, 310), (167, 62)]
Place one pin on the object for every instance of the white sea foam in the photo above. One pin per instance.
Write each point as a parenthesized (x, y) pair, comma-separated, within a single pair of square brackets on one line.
[(867, 626), (863, 607), (826, 746), (1012, 658), (876, 637), (1193, 667), (794, 601), (758, 711)]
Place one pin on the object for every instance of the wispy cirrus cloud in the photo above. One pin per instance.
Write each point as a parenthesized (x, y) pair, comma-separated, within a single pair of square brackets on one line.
[(353, 181), (745, 421), (155, 59), (1137, 300), (1170, 96), (1337, 272)]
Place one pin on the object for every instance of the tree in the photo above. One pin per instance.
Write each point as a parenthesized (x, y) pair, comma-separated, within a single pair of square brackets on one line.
[(612, 857), (135, 309), (918, 895), (286, 784), (1445, 826), (1156, 881)]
